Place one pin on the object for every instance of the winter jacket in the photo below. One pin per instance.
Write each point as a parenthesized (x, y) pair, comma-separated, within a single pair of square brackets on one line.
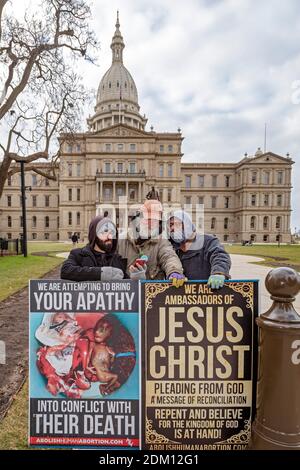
[(162, 259), (84, 264), (204, 257)]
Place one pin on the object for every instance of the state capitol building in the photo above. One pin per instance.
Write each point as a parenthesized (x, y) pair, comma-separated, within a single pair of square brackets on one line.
[(118, 159)]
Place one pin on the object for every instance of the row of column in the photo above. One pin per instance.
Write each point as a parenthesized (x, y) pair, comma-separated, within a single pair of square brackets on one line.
[(116, 119), (99, 191)]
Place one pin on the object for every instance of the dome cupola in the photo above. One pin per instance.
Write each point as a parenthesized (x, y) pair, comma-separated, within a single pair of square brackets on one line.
[(117, 97)]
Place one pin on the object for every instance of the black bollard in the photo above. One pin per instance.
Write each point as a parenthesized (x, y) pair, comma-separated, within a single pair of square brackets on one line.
[(277, 422)]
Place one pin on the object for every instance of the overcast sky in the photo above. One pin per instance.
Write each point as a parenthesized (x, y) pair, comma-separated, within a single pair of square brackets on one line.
[(219, 69)]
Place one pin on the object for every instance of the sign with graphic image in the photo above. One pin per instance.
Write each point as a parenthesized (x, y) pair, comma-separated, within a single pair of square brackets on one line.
[(84, 374)]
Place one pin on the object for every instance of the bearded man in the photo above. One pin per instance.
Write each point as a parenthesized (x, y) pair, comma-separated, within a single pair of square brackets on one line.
[(98, 260), (148, 255)]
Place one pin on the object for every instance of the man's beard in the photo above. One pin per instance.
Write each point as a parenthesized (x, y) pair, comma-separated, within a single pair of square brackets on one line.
[(145, 233), (177, 236), (104, 246)]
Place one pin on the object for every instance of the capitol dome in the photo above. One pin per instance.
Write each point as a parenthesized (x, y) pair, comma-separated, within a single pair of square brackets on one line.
[(117, 96), (117, 82)]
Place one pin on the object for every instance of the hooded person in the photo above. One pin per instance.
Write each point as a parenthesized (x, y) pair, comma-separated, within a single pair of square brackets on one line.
[(98, 260), (202, 256), (148, 255)]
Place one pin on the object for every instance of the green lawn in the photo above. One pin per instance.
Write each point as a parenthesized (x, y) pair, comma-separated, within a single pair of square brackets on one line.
[(274, 255), (14, 436), (50, 247), (15, 271)]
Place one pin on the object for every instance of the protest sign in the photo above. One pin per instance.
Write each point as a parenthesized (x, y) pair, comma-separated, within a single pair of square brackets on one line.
[(84, 377), (199, 352)]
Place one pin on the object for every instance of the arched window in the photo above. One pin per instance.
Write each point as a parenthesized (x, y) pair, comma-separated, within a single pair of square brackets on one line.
[(226, 222), (47, 221), (213, 223), (34, 221), (253, 222), (9, 221)]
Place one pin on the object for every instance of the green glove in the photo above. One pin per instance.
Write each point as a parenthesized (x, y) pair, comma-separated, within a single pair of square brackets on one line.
[(216, 281)]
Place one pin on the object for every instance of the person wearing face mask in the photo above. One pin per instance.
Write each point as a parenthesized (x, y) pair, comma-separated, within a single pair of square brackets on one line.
[(98, 260), (148, 255), (202, 256)]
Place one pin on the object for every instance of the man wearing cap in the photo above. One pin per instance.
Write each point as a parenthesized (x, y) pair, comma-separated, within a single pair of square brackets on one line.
[(98, 260), (202, 256), (144, 243)]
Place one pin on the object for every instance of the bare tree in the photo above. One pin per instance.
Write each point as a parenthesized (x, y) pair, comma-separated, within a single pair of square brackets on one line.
[(40, 96), (32, 131)]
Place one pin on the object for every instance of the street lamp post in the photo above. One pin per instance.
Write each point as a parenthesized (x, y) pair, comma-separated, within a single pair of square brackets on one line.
[(23, 197), (23, 189)]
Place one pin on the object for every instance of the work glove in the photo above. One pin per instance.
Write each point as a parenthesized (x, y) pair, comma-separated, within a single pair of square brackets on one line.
[(177, 279), (109, 273), (137, 272), (216, 281)]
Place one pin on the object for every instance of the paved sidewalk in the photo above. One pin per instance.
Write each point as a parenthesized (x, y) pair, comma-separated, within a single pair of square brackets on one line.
[(243, 268), (63, 255)]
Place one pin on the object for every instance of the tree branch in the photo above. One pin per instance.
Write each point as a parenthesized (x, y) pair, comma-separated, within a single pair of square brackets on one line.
[(69, 25), (50, 176), (28, 158), (41, 96)]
